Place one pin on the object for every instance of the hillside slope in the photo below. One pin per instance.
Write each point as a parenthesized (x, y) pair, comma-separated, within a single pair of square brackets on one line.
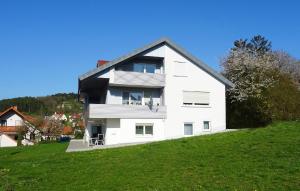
[(257, 159), (44, 105)]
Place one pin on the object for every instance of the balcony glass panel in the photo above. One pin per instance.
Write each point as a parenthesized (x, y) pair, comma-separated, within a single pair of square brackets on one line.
[(150, 68), (132, 98), (138, 67), (136, 98), (125, 98)]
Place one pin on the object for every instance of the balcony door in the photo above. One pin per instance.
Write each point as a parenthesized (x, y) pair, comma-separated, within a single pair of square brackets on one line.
[(132, 98), (97, 130)]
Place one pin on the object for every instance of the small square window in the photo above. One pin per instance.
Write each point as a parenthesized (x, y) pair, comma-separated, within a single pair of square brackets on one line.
[(149, 130), (139, 130), (206, 125)]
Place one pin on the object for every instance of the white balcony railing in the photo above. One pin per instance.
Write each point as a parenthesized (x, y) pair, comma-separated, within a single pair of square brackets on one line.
[(100, 111), (137, 79)]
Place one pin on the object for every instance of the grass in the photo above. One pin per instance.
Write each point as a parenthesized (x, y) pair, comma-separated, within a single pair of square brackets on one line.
[(259, 159)]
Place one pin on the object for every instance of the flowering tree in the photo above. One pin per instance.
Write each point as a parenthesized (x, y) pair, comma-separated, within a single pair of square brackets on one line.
[(250, 67), (259, 75), (51, 128)]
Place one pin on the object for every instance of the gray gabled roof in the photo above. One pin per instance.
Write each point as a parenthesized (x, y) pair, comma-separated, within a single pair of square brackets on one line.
[(159, 42)]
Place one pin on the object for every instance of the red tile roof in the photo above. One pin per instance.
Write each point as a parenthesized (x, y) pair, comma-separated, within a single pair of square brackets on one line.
[(8, 129), (15, 109), (67, 130)]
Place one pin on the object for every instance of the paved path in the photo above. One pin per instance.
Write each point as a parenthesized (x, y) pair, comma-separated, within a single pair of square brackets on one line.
[(79, 145)]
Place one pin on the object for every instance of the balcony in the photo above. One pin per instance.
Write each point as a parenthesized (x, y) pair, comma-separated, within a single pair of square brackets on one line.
[(101, 111), (137, 79)]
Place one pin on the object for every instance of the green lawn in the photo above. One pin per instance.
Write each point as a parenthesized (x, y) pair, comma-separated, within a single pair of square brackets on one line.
[(259, 159)]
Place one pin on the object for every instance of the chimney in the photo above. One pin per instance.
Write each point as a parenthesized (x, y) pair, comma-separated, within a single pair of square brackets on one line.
[(101, 62)]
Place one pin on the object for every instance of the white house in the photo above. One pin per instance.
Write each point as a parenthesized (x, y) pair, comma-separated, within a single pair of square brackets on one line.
[(7, 141), (11, 122), (59, 116), (154, 93)]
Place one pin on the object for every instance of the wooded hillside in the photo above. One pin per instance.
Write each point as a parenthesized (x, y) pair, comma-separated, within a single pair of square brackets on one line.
[(61, 102)]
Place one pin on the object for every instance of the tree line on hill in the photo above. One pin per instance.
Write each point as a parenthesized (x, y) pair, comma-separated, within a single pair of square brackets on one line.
[(267, 84), (46, 105)]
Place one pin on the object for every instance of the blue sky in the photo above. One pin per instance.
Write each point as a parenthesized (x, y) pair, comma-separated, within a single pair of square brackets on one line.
[(46, 45)]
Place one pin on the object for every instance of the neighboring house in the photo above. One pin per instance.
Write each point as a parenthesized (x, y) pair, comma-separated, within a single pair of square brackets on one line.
[(154, 93), (12, 121), (67, 131), (7, 141), (59, 116)]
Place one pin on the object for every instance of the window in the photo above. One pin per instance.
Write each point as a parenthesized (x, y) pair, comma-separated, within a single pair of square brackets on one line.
[(195, 98), (144, 67), (138, 67), (150, 68), (132, 98), (188, 129), (149, 130), (139, 130), (125, 98), (148, 97), (3, 123), (144, 129), (136, 98), (206, 125)]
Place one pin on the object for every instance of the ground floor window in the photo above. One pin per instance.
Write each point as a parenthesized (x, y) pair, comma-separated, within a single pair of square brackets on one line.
[(144, 129), (139, 129), (206, 125), (188, 128)]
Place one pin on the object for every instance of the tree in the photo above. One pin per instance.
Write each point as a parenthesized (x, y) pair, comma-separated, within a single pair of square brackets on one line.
[(288, 65), (259, 74), (20, 135), (51, 128)]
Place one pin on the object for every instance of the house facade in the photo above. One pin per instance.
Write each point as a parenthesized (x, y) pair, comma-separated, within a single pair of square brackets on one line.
[(154, 93), (12, 122)]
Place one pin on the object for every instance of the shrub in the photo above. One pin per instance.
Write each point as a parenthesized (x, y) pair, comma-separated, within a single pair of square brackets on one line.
[(79, 134)]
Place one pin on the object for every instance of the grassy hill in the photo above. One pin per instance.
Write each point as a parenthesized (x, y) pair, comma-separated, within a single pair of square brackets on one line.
[(44, 105), (257, 159)]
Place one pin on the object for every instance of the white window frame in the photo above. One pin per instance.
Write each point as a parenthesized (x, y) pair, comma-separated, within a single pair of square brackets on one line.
[(209, 125), (190, 123), (144, 129)]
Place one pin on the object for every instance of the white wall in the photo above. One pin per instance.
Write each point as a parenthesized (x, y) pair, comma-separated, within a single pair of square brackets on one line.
[(181, 75), (191, 78), (13, 119), (6, 141), (123, 131), (128, 130), (113, 132), (87, 132)]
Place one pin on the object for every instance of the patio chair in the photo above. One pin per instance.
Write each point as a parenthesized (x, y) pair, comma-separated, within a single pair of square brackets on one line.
[(100, 140)]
